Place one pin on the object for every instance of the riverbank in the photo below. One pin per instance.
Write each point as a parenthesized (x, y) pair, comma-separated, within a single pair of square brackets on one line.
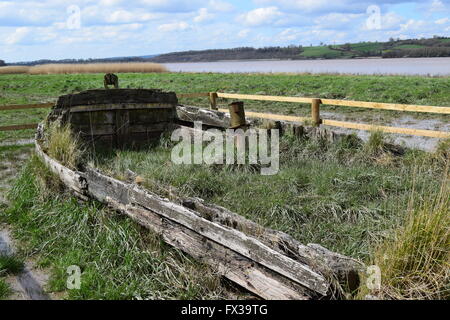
[(25, 89)]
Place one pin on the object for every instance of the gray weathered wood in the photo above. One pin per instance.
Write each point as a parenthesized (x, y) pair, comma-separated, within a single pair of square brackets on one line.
[(231, 238)]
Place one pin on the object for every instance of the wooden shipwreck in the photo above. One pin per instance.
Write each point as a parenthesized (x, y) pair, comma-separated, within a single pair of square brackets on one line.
[(268, 263)]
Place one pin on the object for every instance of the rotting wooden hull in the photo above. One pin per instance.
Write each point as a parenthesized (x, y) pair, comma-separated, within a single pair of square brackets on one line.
[(268, 263)]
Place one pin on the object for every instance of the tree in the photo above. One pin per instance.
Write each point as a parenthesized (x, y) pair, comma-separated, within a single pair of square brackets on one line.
[(2, 63)]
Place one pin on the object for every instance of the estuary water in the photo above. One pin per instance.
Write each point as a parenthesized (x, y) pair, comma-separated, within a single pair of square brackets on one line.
[(401, 66)]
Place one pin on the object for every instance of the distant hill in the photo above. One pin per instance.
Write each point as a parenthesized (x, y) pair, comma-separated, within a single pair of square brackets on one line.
[(78, 61), (435, 47)]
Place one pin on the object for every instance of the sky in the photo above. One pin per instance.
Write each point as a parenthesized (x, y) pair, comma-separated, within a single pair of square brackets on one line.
[(66, 29)]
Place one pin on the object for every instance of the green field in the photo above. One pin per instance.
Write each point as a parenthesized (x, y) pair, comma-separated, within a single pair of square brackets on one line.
[(23, 89)]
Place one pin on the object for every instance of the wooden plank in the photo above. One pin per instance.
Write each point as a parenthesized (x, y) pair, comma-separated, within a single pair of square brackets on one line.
[(263, 98), (121, 106), (387, 106), (193, 95), (27, 106), (272, 116), (228, 263), (231, 238), (19, 127), (360, 126)]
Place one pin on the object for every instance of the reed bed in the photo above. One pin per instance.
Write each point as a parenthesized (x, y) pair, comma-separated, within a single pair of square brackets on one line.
[(14, 70), (138, 67)]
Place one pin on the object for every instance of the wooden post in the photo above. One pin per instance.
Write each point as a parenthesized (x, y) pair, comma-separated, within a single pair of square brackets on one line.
[(237, 114), (213, 100), (315, 112)]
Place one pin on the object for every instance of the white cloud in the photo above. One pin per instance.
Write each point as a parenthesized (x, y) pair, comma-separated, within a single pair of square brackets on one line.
[(220, 6), (176, 26), (244, 33), (260, 16), (203, 15), (442, 21), (17, 35)]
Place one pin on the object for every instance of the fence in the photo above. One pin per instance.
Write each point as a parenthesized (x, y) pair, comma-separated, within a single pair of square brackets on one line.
[(315, 112)]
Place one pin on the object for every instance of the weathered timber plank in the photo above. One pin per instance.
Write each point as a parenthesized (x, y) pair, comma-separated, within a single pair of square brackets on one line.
[(368, 127), (263, 98), (117, 106), (233, 239), (387, 106), (95, 97), (235, 267)]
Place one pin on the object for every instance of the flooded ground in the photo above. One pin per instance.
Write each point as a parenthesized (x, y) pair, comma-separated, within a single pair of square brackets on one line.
[(401, 66)]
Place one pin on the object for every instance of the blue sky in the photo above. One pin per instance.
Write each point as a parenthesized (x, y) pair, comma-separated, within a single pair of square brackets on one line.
[(58, 29)]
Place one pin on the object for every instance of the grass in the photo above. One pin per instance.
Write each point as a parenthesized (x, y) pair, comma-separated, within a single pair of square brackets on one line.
[(9, 265), (118, 259), (25, 89), (5, 290), (85, 68), (415, 261), (63, 146), (340, 196)]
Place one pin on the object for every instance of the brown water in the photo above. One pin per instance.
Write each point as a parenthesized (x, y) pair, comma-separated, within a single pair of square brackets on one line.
[(402, 66)]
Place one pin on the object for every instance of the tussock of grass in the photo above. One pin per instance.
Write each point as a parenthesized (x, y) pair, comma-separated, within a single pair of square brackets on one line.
[(415, 263), (63, 146), (10, 264), (85, 68), (5, 290)]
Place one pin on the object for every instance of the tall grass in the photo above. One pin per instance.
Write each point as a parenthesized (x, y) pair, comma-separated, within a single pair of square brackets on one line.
[(86, 68), (63, 146), (415, 263)]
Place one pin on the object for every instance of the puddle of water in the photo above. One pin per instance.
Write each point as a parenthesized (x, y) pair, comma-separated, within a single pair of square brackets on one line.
[(28, 285)]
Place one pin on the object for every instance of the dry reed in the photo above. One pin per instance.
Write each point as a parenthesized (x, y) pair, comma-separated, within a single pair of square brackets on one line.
[(137, 67)]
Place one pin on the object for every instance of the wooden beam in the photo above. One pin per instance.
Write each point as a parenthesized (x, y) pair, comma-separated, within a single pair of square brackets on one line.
[(387, 106), (19, 127), (315, 112), (368, 127), (263, 98), (271, 116), (27, 106)]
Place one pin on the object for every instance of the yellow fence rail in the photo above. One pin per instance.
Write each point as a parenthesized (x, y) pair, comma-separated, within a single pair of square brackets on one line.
[(315, 112)]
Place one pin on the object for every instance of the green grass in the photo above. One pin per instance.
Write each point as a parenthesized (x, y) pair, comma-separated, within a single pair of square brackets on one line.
[(341, 196), (11, 264), (118, 259), (18, 89), (323, 52), (5, 290)]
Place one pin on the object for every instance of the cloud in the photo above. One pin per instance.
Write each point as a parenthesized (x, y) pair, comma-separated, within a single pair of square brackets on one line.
[(176, 26), (203, 15), (260, 16)]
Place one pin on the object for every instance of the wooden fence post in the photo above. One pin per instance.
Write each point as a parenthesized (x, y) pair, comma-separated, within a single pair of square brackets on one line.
[(213, 100), (315, 112), (237, 114)]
